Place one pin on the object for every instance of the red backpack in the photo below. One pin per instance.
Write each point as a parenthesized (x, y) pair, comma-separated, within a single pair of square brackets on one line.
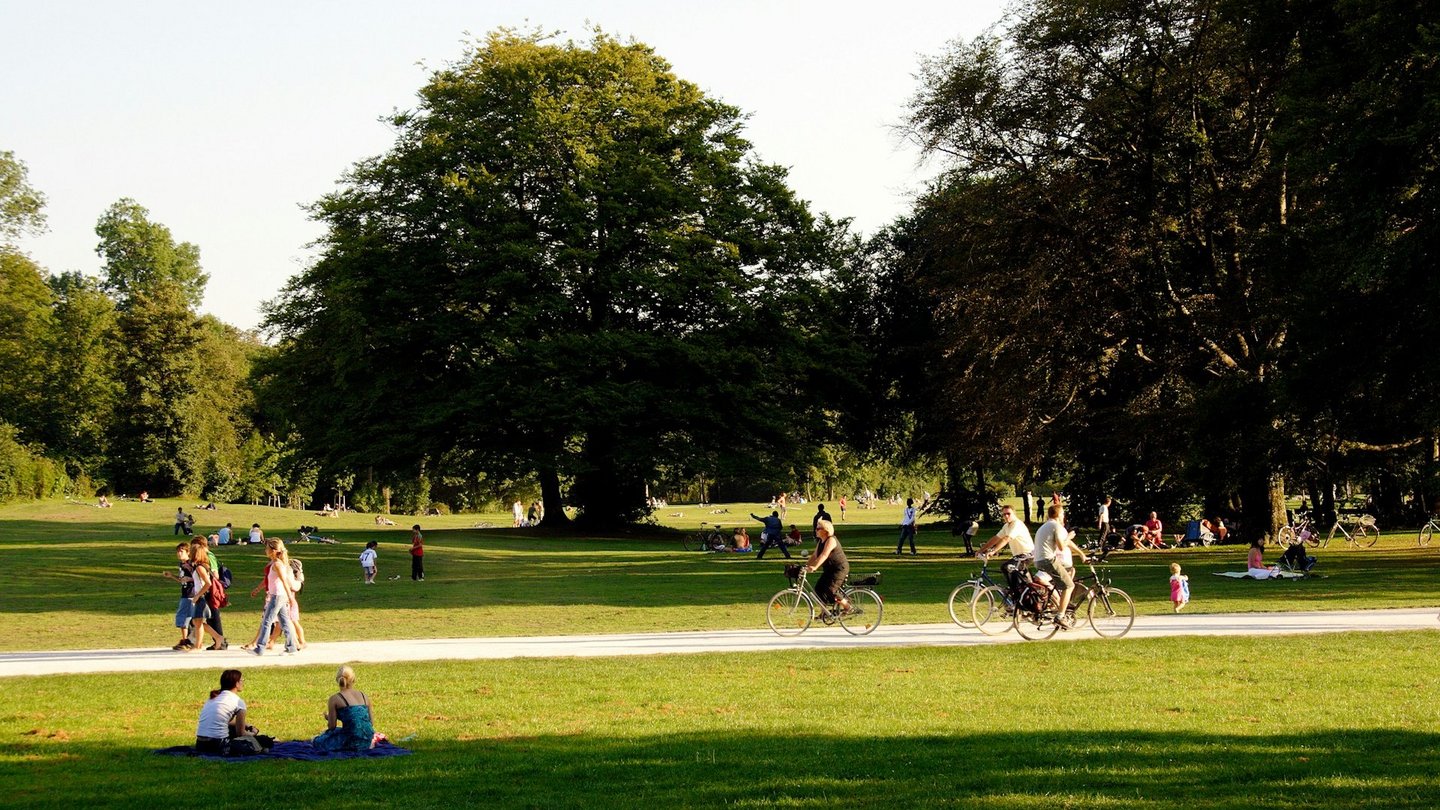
[(216, 596)]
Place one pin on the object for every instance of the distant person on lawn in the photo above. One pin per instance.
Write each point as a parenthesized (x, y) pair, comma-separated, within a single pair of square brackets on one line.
[(417, 554), (773, 536)]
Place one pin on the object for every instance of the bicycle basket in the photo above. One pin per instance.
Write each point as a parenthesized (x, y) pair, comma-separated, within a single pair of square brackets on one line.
[(866, 581), (792, 571)]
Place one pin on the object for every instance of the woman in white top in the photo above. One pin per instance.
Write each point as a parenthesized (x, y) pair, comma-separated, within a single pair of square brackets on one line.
[(256, 536), (223, 716)]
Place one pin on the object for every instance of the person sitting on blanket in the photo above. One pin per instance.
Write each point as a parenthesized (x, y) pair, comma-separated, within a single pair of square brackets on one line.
[(1256, 561), (222, 728), (352, 710)]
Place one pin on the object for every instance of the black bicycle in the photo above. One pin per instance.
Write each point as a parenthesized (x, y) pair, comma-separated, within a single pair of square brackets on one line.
[(713, 539), (791, 611), (1111, 611)]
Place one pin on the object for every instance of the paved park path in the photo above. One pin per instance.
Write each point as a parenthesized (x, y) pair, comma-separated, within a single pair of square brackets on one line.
[(817, 637)]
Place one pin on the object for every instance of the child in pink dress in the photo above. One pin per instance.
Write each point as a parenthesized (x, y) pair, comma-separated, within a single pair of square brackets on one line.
[(1179, 588)]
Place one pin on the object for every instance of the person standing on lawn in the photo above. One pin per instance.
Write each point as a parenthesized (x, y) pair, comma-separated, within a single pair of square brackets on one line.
[(907, 527), (417, 554)]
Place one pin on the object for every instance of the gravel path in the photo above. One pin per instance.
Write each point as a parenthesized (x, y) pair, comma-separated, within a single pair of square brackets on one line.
[(817, 638)]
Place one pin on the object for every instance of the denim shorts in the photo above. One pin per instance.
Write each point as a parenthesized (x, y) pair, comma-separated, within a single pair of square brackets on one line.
[(184, 612)]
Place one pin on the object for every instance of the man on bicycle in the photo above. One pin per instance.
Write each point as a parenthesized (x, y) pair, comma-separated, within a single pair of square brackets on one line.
[(1013, 531), (1054, 547)]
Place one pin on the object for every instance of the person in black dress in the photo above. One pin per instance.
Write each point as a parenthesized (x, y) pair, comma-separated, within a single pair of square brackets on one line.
[(829, 558)]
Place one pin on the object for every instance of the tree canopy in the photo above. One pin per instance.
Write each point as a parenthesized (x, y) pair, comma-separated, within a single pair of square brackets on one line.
[(570, 263)]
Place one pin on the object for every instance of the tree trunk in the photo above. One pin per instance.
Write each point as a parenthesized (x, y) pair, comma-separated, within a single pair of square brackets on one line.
[(1263, 499), (552, 500)]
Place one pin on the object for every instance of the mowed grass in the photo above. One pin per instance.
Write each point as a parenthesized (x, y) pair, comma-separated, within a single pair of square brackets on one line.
[(1336, 721), (79, 577)]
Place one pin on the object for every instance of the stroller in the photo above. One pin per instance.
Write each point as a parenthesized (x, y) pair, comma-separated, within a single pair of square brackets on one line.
[(1295, 559)]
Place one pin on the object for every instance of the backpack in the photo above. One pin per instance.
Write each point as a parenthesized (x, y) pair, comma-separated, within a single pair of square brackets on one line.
[(297, 569), (216, 597), (226, 578)]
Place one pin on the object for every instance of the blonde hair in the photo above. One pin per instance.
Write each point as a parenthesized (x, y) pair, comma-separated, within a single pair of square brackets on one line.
[(1174, 568), (827, 526), (345, 677), (276, 545)]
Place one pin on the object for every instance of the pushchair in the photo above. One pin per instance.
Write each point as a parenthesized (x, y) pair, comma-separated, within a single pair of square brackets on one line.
[(1296, 560)]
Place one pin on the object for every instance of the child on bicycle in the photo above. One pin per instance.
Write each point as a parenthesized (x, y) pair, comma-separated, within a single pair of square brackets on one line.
[(1179, 588)]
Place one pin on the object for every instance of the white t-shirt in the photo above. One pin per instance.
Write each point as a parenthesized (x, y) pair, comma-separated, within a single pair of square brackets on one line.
[(1104, 513), (255, 535), (1047, 540), (1018, 535), (215, 715), (909, 517), (367, 558)]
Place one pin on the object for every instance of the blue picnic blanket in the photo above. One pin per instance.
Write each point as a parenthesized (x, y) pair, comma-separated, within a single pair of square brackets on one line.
[(293, 749)]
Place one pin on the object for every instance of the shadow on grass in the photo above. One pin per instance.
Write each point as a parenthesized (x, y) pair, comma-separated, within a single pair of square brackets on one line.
[(1377, 768)]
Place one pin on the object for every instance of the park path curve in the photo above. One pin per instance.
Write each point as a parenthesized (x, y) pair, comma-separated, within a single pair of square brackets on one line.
[(817, 638)]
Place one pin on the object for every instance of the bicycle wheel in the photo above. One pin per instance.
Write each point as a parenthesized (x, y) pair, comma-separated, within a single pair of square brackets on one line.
[(991, 611), (790, 612), (865, 612), (1112, 613), (1285, 536), (959, 603), (693, 542), (1034, 625), (1426, 534), (1365, 536)]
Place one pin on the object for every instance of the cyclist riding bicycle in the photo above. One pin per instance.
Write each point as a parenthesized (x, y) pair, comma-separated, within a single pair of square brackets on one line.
[(1054, 550), (830, 558), (1017, 534)]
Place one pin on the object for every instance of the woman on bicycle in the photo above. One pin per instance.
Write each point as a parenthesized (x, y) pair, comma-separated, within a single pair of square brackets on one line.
[(830, 557)]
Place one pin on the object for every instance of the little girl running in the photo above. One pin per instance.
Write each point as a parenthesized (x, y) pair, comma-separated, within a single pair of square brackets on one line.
[(1179, 588)]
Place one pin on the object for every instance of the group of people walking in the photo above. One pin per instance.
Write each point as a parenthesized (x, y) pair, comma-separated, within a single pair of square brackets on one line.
[(204, 583)]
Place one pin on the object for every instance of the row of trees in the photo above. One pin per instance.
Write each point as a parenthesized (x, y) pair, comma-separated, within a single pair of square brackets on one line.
[(1181, 251)]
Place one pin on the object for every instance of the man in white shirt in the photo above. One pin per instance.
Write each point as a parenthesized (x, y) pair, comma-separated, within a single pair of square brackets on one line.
[(907, 527), (1103, 521), (1054, 545), (1013, 531)]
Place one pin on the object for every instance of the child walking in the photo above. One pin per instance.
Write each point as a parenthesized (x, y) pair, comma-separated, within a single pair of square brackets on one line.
[(1179, 588), (367, 562)]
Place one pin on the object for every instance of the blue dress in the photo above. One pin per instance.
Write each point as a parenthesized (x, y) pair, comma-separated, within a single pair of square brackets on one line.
[(355, 733)]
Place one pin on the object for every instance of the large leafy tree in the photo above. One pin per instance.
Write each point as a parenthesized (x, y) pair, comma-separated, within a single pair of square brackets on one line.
[(1125, 260), (155, 283), (571, 264)]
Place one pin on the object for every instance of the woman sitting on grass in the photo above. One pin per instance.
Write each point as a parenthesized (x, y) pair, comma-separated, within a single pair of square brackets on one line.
[(351, 709), (222, 728)]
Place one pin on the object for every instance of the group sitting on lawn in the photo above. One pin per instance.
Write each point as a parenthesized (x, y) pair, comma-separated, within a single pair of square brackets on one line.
[(224, 727)]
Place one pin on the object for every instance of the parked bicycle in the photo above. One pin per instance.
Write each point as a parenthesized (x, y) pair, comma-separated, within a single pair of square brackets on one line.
[(1359, 531), (1427, 532), (712, 539), (791, 611), (1110, 611)]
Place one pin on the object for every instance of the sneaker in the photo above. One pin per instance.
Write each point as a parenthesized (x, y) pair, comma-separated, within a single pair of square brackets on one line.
[(184, 645), (258, 651)]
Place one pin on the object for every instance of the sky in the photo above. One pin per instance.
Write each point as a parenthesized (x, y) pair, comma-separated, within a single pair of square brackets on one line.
[(226, 119)]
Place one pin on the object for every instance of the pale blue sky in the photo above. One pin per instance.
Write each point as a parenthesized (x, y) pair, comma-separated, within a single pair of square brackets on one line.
[(225, 118)]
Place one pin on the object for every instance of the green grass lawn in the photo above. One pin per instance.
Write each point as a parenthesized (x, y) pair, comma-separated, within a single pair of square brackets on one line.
[(1336, 721), (79, 577)]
